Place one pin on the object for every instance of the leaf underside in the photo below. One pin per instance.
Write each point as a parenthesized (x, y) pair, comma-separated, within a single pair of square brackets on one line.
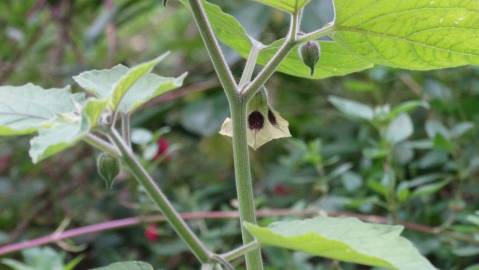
[(345, 239), (102, 84), (24, 109)]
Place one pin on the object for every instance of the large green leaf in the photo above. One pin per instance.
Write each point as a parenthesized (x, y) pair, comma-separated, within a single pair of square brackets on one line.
[(334, 61), (412, 34), (66, 130), (128, 88), (24, 109), (127, 266), (291, 6), (345, 239)]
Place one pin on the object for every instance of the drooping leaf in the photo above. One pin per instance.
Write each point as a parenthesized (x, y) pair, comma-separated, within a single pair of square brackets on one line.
[(128, 88), (66, 131), (345, 239), (410, 34), (133, 265), (24, 109), (334, 61), (291, 6)]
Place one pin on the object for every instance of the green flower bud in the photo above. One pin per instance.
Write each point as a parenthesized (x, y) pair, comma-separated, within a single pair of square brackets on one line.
[(310, 52), (108, 168)]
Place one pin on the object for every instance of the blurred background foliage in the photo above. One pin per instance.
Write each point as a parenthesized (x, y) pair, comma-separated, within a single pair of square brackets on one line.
[(407, 153)]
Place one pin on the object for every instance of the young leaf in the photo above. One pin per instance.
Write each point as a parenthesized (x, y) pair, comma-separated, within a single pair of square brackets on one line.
[(133, 265), (122, 86), (411, 34), (335, 60), (128, 88), (290, 6), (24, 109), (352, 108), (345, 239), (66, 132)]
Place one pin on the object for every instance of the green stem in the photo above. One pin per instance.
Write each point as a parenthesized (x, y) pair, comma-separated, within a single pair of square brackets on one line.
[(214, 50), (155, 193), (126, 128), (244, 182), (275, 61), (250, 65), (100, 144), (239, 252)]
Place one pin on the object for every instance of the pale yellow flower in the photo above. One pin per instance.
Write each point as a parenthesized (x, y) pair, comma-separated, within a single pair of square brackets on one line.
[(263, 126)]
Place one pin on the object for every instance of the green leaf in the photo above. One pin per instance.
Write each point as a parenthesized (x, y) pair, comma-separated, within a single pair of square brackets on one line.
[(291, 6), (345, 239), (133, 265), (410, 34), (24, 109), (429, 189), (122, 86), (406, 107), (334, 60), (399, 129), (352, 108), (16, 265), (128, 88), (66, 132)]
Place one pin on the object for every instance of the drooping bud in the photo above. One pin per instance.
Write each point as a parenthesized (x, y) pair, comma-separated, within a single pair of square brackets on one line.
[(310, 52), (165, 2), (108, 168)]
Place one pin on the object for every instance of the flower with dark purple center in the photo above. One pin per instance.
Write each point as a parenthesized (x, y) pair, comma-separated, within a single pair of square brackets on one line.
[(255, 120)]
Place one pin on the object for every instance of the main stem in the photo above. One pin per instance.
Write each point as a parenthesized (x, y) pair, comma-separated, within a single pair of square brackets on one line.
[(244, 182), (155, 193)]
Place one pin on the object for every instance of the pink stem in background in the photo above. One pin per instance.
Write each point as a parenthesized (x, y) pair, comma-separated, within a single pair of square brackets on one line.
[(127, 222)]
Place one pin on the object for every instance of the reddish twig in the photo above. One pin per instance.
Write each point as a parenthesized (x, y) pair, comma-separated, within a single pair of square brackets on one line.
[(127, 222)]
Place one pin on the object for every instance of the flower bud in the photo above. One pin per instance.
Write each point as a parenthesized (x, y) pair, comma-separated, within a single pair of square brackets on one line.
[(108, 168), (310, 52)]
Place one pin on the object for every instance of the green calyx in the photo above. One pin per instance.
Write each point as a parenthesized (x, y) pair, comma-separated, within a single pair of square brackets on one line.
[(108, 168), (310, 52)]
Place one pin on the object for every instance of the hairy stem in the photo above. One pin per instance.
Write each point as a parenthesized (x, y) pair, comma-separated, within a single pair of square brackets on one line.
[(212, 46), (238, 108), (244, 182), (166, 208)]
